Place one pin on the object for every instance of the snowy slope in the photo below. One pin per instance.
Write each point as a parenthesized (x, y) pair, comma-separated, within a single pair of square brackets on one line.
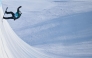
[(63, 28), (11, 46), (70, 38)]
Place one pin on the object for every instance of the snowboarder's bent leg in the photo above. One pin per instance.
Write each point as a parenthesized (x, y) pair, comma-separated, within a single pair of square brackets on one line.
[(7, 17), (9, 12)]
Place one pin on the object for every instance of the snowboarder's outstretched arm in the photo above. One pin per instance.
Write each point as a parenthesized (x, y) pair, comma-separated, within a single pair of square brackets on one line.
[(19, 8)]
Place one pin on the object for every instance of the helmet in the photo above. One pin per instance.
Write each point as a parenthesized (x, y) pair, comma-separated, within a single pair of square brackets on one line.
[(20, 12)]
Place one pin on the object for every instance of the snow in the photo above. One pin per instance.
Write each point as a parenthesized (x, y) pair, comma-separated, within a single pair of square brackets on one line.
[(62, 29), (11, 46)]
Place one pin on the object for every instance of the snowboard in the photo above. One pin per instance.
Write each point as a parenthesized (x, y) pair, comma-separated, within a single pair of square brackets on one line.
[(5, 10), (4, 13)]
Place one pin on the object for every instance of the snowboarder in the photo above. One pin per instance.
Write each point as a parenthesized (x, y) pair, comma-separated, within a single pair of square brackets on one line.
[(14, 15)]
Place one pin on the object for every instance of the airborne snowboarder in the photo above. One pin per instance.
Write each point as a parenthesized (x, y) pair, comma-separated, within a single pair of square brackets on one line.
[(14, 15)]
